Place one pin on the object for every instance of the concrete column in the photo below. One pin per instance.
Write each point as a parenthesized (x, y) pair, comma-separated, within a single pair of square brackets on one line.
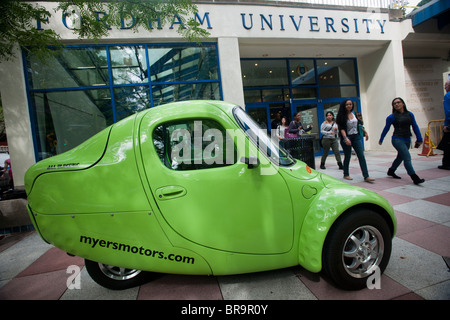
[(230, 70), (382, 79), (17, 118)]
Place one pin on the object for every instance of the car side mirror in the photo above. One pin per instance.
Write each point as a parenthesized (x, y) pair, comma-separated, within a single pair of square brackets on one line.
[(251, 162)]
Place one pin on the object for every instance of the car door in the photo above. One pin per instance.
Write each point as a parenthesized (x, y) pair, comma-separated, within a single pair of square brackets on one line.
[(203, 190)]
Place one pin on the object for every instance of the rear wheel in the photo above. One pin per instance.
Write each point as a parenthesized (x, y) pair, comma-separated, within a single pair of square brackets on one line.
[(115, 278), (358, 244)]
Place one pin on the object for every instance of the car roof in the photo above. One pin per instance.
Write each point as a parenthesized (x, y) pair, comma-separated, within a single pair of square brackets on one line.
[(185, 108), (225, 106)]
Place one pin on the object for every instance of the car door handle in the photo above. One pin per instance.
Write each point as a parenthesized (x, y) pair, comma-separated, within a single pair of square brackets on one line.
[(170, 192)]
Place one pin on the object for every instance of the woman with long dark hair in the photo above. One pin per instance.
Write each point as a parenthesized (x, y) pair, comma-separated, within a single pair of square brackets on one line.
[(350, 138), (402, 120), (329, 131)]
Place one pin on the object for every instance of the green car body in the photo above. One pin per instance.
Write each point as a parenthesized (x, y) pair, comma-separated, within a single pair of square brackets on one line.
[(118, 198)]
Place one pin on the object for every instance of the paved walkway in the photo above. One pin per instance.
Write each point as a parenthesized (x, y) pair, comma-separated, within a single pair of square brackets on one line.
[(33, 270)]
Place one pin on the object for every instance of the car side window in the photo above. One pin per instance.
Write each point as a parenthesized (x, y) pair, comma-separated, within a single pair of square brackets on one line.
[(194, 144)]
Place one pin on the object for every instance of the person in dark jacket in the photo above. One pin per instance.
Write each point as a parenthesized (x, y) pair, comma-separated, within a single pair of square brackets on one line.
[(402, 120), (296, 126)]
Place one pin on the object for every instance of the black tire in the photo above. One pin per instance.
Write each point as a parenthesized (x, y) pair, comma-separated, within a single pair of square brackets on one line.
[(115, 278), (358, 243)]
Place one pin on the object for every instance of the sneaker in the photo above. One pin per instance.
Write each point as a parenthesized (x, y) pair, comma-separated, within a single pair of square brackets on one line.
[(322, 166), (444, 167)]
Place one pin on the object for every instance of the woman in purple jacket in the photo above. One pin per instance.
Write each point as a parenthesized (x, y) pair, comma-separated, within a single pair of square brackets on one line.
[(402, 120)]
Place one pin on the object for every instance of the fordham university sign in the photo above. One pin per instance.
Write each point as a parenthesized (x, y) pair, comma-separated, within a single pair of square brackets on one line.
[(307, 20)]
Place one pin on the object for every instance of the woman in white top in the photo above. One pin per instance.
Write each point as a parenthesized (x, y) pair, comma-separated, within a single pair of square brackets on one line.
[(282, 127), (350, 138), (329, 130)]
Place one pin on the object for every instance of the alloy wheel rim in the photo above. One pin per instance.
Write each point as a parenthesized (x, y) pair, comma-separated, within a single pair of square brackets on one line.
[(363, 251), (118, 273)]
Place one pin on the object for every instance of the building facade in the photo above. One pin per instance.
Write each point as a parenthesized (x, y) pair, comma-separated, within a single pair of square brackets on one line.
[(266, 56)]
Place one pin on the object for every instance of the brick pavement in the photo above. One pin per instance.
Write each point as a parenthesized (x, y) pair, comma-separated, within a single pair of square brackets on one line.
[(33, 270)]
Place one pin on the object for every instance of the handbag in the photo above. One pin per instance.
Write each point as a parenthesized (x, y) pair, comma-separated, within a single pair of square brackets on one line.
[(288, 135)]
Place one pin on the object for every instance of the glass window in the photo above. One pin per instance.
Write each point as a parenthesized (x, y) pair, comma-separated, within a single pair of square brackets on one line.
[(308, 79), (337, 92), (336, 71), (71, 67), (189, 91), (71, 93), (264, 72), (275, 94), (252, 96), (183, 64), (302, 72), (130, 100), (304, 93), (128, 64), (193, 145), (64, 119)]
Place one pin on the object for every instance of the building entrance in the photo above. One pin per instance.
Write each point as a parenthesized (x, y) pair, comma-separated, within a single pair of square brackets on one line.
[(274, 87)]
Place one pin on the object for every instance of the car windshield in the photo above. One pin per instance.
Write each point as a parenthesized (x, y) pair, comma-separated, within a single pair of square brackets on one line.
[(259, 136)]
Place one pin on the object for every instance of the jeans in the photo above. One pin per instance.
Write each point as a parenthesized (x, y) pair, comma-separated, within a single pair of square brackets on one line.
[(357, 145), (402, 146)]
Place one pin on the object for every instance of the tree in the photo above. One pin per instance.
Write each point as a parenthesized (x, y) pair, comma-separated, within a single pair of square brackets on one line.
[(96, 18), (423, 2)]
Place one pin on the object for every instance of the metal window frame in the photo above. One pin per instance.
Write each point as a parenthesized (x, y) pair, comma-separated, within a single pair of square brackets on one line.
[(111, 86)]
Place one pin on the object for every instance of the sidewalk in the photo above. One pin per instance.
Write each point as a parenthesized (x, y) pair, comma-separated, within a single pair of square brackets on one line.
[(33, 270)]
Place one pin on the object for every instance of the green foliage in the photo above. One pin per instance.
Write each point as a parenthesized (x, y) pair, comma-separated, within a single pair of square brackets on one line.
[(17, 28), (97, 18), (423, 2)]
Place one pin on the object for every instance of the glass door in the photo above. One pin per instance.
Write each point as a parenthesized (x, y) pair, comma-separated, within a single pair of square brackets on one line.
[(277, 110), (333, 106), (268, 115), (309, 113)]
